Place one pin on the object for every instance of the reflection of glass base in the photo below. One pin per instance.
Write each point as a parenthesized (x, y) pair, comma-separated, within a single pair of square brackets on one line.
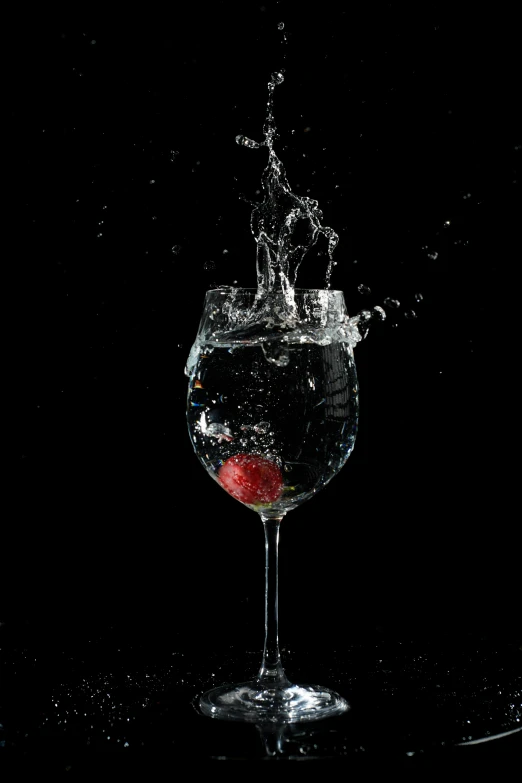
[(250, 702)]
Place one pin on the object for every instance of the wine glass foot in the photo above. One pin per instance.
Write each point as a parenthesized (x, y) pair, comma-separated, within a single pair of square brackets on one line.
[(253, 703)]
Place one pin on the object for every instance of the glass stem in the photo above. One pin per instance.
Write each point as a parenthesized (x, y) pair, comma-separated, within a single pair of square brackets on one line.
[(271, 672)]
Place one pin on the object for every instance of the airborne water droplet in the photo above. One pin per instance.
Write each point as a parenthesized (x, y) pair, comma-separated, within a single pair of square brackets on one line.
[(281, 26), (244, 141)]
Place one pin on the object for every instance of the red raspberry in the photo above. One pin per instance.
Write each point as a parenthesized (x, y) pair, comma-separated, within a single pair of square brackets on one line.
[(251, 479)]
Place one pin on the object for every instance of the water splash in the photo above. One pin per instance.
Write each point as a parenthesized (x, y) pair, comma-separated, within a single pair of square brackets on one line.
[(285, 226)]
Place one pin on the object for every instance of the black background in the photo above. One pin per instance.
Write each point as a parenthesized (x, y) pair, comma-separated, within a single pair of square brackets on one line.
[(125, 190)]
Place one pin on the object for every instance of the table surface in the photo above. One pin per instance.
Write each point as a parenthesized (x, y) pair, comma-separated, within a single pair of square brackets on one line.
[(114, 696)]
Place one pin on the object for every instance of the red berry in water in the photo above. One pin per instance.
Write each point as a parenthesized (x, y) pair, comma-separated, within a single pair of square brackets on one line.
[(251, 479)]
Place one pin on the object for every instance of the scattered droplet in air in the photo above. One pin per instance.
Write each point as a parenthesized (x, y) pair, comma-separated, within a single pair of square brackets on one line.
[(364, 289), (244, 141), (418, 297), (410, 314), (363, 322), (281, 26), (176, 249), (393, 303), (277, 77), (379, 313)]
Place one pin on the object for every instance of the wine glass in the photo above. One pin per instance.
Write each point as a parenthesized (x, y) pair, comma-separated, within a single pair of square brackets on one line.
[(272, 414)]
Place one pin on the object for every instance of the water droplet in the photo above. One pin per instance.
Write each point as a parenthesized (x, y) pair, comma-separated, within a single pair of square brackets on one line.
[(392, 303), (364, 289), (379, 313), (175, 249), (277, 77), (281, 26), (410, 314), (244, 141), (418, 297)]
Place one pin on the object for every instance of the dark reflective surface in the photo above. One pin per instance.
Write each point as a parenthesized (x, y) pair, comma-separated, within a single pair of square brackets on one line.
[(100, 698)]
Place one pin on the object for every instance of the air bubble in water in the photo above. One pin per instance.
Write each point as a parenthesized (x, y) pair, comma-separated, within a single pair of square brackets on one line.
[(219, 431), (276, 353)]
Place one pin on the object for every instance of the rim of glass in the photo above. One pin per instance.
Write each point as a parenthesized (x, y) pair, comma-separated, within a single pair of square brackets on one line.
[(227, 289)]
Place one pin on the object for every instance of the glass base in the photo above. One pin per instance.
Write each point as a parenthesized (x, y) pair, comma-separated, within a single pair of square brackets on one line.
[(250, 702)]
